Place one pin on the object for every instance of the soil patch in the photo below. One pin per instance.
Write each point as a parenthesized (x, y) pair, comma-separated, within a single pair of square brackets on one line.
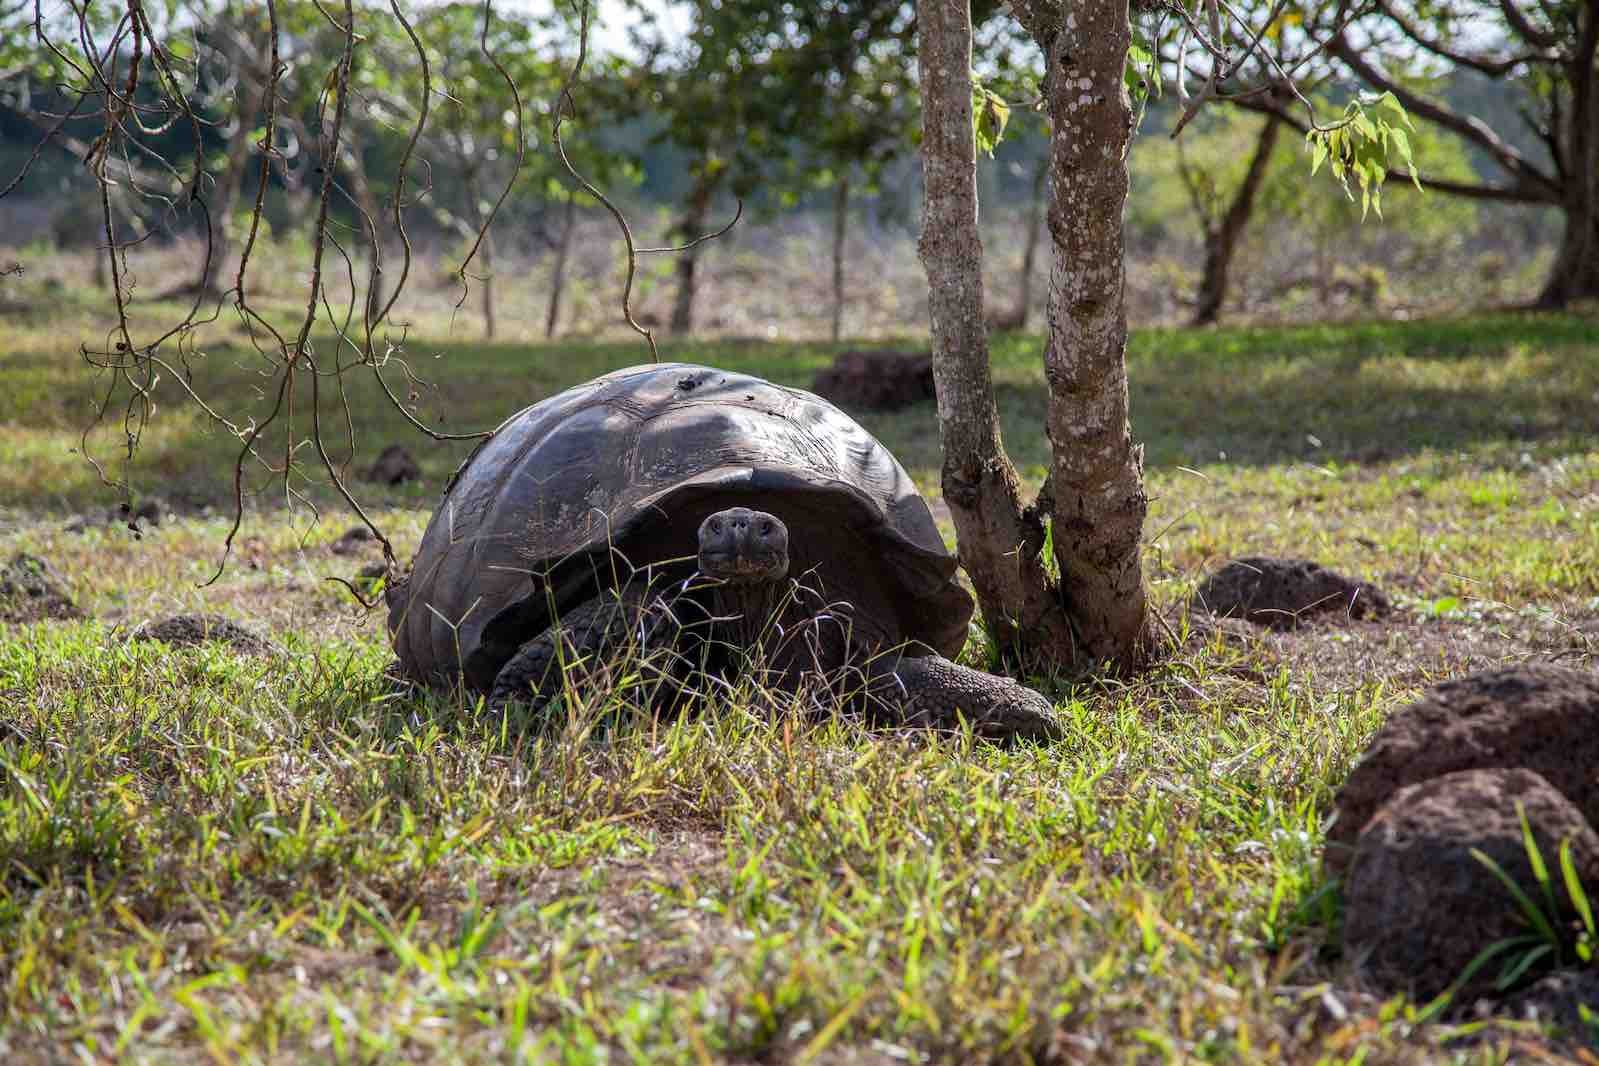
[(1284, 593), (32, 591), (1419, 906), (394, 466), (1537, 717), (876, 381), (187, 630)]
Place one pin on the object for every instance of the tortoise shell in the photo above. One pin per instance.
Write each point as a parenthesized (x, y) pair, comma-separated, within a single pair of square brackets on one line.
[(626, 467)]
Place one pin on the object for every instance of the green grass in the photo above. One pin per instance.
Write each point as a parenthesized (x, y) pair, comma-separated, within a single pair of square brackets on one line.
[(204, 855)]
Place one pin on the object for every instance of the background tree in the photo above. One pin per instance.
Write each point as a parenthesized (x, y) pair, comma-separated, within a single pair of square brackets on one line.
[(1544, 53), (488, 99), (721, 103), (1093, 499), (1222, 216), (851, 100)]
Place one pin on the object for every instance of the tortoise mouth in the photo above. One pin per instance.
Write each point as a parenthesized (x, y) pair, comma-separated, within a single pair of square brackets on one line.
[(742, 568)]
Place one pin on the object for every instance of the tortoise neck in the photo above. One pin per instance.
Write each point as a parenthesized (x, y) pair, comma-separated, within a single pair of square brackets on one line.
[(745, 612)]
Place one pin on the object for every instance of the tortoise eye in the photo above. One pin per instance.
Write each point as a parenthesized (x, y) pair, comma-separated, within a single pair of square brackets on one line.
[(766, 529), (716, 525)]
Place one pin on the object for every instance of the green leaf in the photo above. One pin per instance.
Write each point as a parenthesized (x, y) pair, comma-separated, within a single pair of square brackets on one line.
[(990, 115), (1390, 103), (1574, 889), (1401, 142), (1529, 910)]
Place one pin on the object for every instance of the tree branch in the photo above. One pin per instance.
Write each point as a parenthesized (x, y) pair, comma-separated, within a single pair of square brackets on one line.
[(1492, 66), (1521, 193), (1522, 25), (1470, 127)]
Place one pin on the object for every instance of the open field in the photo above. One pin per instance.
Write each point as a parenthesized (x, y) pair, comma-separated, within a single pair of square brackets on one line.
[(264, 858)]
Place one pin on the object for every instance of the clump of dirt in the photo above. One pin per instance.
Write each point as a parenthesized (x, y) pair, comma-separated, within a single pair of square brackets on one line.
[(32, 591), (1419, 905), (144, 515), (188, 630), (353, 541), (1559, 1000), (1537, 717), (876, 381), (1285, 593), (394, 466)]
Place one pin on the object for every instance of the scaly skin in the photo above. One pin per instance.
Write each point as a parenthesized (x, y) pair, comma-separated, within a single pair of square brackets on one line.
[(747, 552), (936, 693), (585, 640)]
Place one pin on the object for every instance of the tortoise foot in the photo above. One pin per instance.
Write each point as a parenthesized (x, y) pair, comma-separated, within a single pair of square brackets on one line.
[(935, 693)]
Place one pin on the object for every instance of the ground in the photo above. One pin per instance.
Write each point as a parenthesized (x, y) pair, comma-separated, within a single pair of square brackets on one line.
[(269, 858)]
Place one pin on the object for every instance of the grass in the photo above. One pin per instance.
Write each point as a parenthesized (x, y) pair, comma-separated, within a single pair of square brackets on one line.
[(206, 855)]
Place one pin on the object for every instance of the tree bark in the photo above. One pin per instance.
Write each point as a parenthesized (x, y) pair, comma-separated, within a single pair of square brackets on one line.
[(226, 200), (1096, 477), (488, 286), (485, 250), (1575, 275), (366, 202), (840, 231), (1035, 212), (1000, 542), (1221, 238), (563, 248), (692, 226)]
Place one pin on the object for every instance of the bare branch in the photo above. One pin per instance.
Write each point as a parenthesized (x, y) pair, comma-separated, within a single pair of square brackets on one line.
[(1492, 66), (1523, 26), (1468, 126)]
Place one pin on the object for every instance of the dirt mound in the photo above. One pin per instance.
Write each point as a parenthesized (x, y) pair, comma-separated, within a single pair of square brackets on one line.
[(353, 541), (187, 630), (142, 516), (1419, 907), (876, 381), (32, 591), (1558, 1000), (1282, 593), (1537, 717), (394, 466)]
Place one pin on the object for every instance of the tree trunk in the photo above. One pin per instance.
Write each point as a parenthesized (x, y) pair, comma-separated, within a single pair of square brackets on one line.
[(367, 202), (226, 199), (1035, 211), (487, 254), (486, 249), (692, 226), (562, 248), (1221, 239), (1096, 478), (1000, 542), (1576, 270), (840, 231)]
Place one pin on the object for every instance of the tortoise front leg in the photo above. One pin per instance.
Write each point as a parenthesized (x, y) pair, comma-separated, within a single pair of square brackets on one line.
[(929, 691), (586, 640)]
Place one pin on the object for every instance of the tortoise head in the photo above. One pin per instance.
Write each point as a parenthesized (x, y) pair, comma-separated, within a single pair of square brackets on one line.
[(743, 547)]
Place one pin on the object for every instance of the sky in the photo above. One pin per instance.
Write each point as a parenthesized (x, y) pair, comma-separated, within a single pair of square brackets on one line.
[(608, 33)]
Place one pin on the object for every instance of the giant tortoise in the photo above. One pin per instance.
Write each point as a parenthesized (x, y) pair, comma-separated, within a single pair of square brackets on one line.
[(712, 512)]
